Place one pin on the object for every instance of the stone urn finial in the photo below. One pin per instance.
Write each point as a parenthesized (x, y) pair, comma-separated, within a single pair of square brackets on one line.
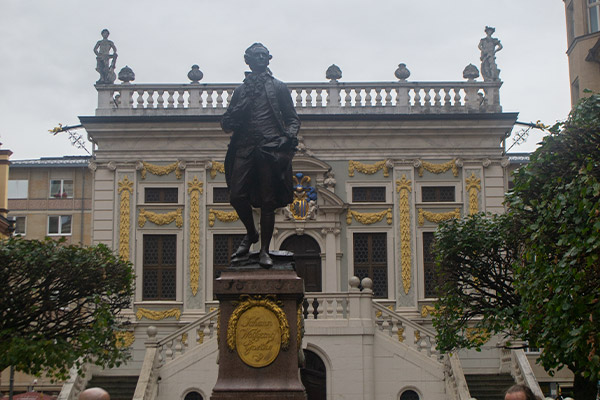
[(402, 73), (195, 75), (471, 72), (333, 73), (126, 75)]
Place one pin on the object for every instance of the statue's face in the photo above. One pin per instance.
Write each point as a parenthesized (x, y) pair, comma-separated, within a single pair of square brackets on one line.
[(104, 33), (258, 59)]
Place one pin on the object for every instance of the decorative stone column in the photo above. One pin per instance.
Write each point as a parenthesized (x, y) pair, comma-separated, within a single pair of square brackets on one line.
[(260, 331)]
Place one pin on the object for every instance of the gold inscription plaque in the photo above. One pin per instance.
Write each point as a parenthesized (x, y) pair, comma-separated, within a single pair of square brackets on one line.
[(258, 337)]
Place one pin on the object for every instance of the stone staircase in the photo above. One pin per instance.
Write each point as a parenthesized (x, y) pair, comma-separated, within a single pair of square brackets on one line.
[(489, 386), (119, 387)]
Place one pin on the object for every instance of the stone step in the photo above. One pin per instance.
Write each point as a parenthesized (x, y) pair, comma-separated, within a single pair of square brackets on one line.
[(118, 387), (489, 386)]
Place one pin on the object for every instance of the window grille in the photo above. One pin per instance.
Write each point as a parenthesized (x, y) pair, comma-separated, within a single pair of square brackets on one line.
[(364, 194), (370, 260), (161, 195), (431, 194), (160, 267)]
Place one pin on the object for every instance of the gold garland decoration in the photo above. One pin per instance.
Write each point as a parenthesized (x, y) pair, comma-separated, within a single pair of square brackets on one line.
[(160, 169), (216, 167), (401, 335), (437, 217), (427, 310), (369, 218), (438, 168), (403, 186), (368, 169), (158, 315), (478, 335), (160, 219), (257, 301), (124, 339), (223, 216), (473, 187), (195, 190), (126, 190)]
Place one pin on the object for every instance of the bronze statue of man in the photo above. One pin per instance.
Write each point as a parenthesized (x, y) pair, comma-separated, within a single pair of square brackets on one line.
[(258, 165)]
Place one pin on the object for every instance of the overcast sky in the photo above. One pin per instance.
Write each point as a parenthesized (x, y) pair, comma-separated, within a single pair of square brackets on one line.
[(48, 66)]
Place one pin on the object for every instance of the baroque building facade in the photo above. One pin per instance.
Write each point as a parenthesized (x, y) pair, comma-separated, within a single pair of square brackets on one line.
[(378, 166)]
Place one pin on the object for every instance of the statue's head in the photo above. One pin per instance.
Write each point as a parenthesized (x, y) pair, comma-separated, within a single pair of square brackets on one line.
[(105, 33), (490, 30), (257, 57)]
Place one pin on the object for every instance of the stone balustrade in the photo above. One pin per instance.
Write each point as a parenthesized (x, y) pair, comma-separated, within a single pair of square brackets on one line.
[(188, 337), (405, 331), (334, 97)]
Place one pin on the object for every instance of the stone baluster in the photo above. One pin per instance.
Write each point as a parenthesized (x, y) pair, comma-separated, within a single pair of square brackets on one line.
[(160, 100), (417, 99), (170, 100), (437, 98), (140, 99), (150, 99), (169, 350), (229, 93), (219, 98), (388, 97), (311, 309), (358, 97), (447, 97), (209, 98), (319, 98), (427, 98), (457, 98), (298, 98), (378, 97), (179, 346), (368, 98), (347, 99), (309, 99)]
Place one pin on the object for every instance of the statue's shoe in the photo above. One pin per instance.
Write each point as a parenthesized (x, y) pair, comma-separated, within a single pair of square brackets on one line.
[(245, 245), (264, 259)]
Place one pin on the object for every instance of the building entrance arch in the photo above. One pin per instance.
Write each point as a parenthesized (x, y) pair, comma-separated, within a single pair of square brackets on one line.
[(307, 254), (314, 376)]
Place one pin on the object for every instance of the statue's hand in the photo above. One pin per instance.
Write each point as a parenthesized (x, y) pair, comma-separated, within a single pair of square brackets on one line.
[(287, 144)]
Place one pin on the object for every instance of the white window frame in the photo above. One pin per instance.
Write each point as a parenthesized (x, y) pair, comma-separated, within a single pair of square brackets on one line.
[(62, 189), (16, 187), (60, 232), (24, 225), (593, 7)]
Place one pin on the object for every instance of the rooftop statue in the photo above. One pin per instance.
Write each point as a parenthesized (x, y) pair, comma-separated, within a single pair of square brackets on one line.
[(258, 164), (489, 46), (105, 60)]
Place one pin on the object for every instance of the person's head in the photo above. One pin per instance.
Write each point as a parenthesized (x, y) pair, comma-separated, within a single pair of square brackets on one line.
[(489, 30), (95, 393), (519, 392), (257, 57), (105, 33)]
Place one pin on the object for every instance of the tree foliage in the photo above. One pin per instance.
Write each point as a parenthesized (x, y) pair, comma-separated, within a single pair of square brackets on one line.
[(60, 305), (475, 263), (545, 250)]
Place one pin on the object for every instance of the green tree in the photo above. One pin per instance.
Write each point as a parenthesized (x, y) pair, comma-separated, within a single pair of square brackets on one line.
[(60, 305), (547, 249)]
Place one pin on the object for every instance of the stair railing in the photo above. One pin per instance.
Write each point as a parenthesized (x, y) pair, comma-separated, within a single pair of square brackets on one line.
[(456, 383), (405, 331), (76, 383), (522, 372)]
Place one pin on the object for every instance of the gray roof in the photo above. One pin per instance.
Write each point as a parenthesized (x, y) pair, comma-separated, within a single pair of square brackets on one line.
[(54, 162)]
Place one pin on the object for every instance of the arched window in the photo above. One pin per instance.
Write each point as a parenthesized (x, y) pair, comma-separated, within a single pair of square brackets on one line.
[(193, 396), (307, 255), (409, 395)]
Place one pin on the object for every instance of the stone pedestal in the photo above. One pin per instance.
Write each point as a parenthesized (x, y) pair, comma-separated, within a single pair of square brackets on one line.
[(260, 325)]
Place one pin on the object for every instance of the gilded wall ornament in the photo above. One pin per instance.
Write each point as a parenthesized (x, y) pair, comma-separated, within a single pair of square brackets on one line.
[(125, 190), (124, 339), (195, 190), (401, 335), (161, 169), (437, 217), (223, 216), (473, 188), (305, 199), (158, 315), (403, 187), (369, 218), (427, 310), (160, 219), (368, 169), (215, 167), (438, 168)]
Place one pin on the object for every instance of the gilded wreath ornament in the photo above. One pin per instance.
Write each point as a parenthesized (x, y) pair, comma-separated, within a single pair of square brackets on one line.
[(437, 217), (215, 167), (268, 303), (438, 168), (160, 219), (369, 169), (223, 216), (161, 169), (369, 218), (158, 315)]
